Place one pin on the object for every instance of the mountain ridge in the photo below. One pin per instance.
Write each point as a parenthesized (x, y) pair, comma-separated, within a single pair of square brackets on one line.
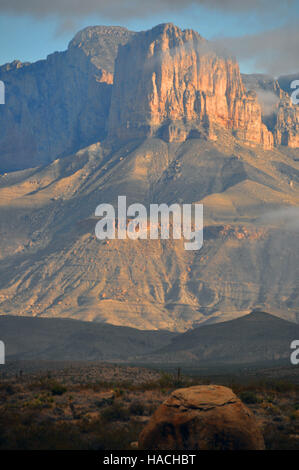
[(254, 338), (51, 261), (258, 337), (36, 338), (67, 103)]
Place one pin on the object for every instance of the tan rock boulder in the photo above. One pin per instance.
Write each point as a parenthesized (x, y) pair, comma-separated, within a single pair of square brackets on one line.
[(202, 418)]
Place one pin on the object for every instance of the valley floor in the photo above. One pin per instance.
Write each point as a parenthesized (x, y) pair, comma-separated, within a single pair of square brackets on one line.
[(47, 405)]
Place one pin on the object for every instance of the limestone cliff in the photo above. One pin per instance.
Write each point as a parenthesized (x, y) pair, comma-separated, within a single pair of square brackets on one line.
[(287, 124), (60, 104), (167, 82), (170, 82)]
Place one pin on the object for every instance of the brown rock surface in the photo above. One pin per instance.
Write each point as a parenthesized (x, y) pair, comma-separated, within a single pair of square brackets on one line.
[(60, 104), (202, 418), (287, 124), (278, 113)]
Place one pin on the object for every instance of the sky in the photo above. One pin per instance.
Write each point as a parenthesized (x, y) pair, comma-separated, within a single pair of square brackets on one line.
[(262, 34)]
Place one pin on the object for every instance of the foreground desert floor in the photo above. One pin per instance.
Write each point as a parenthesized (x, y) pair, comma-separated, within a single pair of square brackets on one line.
[(104, 406)]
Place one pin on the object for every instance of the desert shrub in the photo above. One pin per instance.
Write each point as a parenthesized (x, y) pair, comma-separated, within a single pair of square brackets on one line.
[(137, 408), (107, 436), (115, 412), (283, 386), (270, 398), (280, 440), (58, 389), (118, 392), (50, 385), (7, 389), (249, 397), (166, 380), (271, 409), (151, 409), (262, 385), (38, 403), (25, 431)]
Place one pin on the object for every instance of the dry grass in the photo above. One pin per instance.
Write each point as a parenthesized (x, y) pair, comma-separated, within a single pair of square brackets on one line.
[(44, 411)]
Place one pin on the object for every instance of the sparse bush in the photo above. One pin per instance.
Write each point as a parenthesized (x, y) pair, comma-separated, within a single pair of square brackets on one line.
[(115, 412), (270, 398), (58, 389), (151, 409), (26, 432), (50, 385), (8, 389), (282, 386), (270, 409), (119, 392), (137, 408), (166, 380), (280, 440), (249, 397)]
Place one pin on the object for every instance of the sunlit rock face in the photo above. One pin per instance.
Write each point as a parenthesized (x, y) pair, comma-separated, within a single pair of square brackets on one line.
[(164, 82), (170, 81)]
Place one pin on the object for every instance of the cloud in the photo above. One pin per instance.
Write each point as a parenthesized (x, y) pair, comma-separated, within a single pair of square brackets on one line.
[(286, 217), (121, 9), (268, 101), (202, 47), (274, 52), (65, 26)]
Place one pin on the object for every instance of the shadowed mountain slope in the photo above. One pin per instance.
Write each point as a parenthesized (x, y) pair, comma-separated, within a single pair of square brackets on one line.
[(254, 338), (63, 339)]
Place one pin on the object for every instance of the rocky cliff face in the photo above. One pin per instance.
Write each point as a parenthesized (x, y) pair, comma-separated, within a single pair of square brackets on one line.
[(60, 104), (287, 125), (167, 83), (278, 112), (170, 82)]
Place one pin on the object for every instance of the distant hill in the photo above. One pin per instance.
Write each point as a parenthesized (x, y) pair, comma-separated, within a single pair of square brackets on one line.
[(255, 338), (64, 339)]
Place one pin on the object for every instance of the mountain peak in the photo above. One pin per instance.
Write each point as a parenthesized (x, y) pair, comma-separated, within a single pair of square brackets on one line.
[(259, 314), (94, 33), (170, 83)]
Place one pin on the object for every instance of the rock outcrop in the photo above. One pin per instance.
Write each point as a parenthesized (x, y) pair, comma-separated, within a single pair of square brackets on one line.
[(202, 418), (287, 125), (169, 82), (278, 112), (61, 104)]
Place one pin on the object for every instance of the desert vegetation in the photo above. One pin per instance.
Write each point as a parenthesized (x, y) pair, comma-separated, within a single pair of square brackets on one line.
[(105, 407)]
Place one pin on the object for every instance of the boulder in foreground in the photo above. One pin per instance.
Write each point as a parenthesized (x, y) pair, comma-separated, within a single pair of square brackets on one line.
[(209, 417)]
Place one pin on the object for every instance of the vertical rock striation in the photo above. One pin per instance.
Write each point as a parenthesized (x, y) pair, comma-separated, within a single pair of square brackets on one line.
[(170, 82)]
